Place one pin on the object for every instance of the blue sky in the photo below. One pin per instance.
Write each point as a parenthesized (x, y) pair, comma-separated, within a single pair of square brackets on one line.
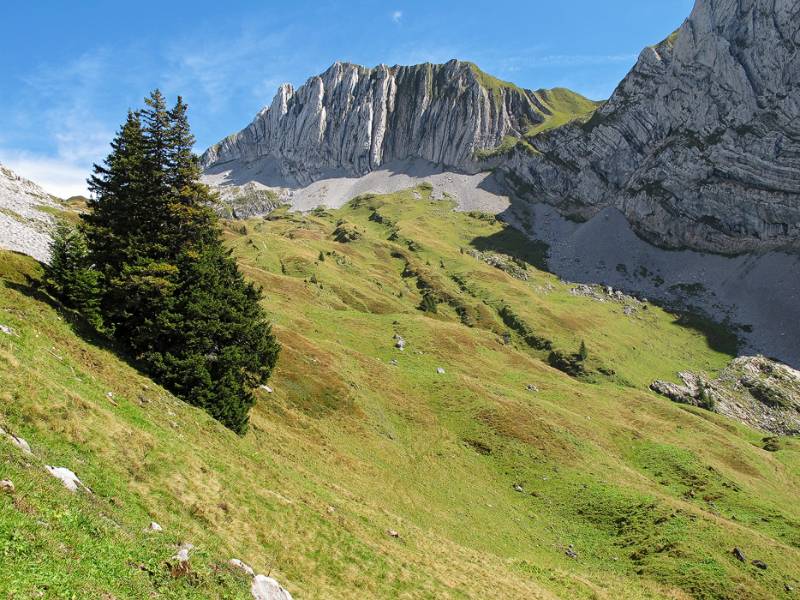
[(70, 69)]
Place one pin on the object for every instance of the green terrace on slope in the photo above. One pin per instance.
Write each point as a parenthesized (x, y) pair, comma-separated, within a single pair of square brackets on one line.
[(556, 107), (494, 473), (563, 106)]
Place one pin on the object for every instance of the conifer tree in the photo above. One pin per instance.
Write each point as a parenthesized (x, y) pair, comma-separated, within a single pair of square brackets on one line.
[(71, 276), (583, 352), (171, 291)]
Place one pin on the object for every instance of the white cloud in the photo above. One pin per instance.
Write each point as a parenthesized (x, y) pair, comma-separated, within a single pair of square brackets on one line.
[(218, 70), (62, 107), (58, 176), (397, 16), (579, 60)]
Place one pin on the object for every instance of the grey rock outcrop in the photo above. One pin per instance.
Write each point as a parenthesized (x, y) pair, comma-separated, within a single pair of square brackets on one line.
[(351, 120), (754, 390), (266, 588), (24, 225), (68, 478), (699, 146)]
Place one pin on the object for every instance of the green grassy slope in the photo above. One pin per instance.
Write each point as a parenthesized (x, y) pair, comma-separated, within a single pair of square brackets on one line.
[(651, 496), (563, 106), (555, 107)]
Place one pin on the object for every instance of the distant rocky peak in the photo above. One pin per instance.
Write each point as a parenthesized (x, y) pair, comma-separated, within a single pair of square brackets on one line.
[(352, 119)]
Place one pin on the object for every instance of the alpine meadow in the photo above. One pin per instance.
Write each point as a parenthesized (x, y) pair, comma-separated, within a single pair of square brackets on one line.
[(415, 331)]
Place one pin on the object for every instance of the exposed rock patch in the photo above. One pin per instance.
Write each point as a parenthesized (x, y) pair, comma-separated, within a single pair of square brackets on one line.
[(266, 588), (68, 478), (754, 390), (24, 226), (242, 566)]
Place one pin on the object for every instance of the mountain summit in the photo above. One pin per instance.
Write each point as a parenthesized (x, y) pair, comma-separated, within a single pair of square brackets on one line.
[(351, 120), (699, 146)]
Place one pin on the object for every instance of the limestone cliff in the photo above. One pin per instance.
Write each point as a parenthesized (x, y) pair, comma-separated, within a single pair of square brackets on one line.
[(351, 120), (699, 146), (24, 225)]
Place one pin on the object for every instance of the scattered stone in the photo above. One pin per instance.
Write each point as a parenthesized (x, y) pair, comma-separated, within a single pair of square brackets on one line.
[(518, 488), (399, 342), (760, 564), (393, 362), (67, 477), (21, 444), (266, 388), (242, 566), (531, 388), (154, 527), (392, 533), (440, 370), (266, 588), (179, 563), (7, 486), (787, 587), (571, 552), (7, 330), (183, 551), (331, 510), (739, 555)]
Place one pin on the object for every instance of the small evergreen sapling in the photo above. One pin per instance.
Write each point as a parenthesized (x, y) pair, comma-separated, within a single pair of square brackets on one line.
[(71, 277)]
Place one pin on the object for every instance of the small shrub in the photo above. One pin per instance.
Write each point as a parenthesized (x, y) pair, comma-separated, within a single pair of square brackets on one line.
[(428, 303), (571, 364)]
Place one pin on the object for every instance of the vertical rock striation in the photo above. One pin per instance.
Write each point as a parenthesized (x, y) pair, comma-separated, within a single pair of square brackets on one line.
[(351, 120)]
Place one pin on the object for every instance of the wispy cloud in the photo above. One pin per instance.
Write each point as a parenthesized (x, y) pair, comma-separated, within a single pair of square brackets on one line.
[(221, 69), (57, 175), (397, 16), (61, 106)]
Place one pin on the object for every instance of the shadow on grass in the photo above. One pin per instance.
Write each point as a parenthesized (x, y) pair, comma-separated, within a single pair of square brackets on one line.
[(25, 276), (721, 337), (515, 244)]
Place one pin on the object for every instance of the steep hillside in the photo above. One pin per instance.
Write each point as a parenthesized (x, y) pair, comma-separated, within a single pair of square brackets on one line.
[(26, 215), (462, 466), (699, 146)]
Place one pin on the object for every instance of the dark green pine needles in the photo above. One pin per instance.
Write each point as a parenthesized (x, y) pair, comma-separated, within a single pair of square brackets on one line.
[(166, 286)]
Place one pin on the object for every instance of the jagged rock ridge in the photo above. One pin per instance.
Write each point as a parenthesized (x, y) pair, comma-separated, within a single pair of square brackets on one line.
[(699, 146), (351, 120)]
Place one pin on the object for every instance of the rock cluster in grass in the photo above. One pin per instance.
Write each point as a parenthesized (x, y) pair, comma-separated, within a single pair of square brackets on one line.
[(754, 390)]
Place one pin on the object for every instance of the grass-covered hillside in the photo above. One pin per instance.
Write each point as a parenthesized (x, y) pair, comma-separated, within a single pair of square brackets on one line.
[(501, 475)]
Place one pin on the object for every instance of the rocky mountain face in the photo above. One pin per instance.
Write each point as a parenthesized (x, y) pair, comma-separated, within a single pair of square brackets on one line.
[(351, 120), (25, 224), (699, 146)]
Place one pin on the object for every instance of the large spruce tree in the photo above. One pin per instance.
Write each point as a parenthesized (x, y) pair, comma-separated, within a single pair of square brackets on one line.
[(170, 291)]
